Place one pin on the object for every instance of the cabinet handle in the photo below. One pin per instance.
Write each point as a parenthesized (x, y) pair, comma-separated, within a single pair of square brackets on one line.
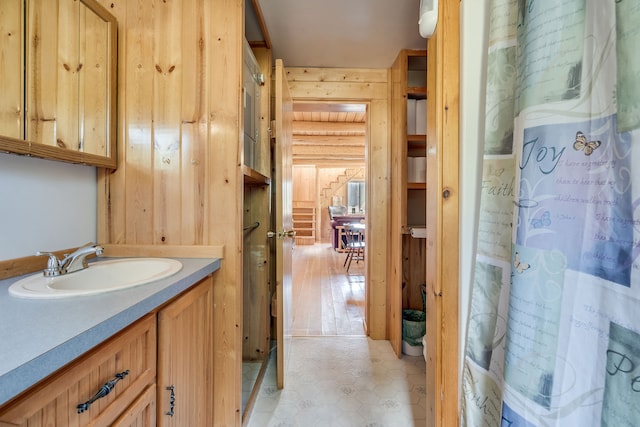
[(172, 400), (103, 391)]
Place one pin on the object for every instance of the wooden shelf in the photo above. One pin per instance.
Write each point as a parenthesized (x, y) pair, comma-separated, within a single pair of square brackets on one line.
[(408, 253), (417, 92), (416, 185), (416, 142), (253, 177), (304, 224)]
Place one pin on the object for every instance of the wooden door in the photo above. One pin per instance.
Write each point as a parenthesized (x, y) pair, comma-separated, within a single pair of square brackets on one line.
[(283, 216), (185, 375)]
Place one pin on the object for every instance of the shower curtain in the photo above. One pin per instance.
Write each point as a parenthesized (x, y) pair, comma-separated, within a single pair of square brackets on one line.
[(553, 337)]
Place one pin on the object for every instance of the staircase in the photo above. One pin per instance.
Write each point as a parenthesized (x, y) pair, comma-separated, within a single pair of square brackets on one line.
[(327, 193)]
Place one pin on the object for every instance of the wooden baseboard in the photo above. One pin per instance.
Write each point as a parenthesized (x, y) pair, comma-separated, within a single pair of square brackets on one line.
[(19, 266)]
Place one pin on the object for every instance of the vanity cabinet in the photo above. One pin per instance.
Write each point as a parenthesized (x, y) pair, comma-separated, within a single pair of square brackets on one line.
[(142, 412), (175, 342), (185, 355), (54, 402)]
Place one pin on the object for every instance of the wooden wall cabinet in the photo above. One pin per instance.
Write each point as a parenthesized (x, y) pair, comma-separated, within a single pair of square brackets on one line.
[(409, 79), (179, 337), (409, 187)]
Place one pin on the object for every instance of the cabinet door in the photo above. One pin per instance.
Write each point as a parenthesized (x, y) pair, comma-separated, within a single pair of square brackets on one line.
[(142, 412), (185, 357), (54, 402)]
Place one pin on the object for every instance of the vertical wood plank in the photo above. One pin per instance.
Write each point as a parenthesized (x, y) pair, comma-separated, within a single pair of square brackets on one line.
[(42, 71), (194, 160), (225, 206), (377, 232), (111, 185), (398, 209), (166, 127), (442, 218), (93, 74), (66, 133), (11, 83), (137, 221)]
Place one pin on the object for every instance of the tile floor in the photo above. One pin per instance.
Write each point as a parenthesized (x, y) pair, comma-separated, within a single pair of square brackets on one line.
[(250, 372), (343, 381)]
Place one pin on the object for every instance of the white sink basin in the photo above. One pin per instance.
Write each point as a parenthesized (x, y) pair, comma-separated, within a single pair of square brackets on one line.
[(100, 277)]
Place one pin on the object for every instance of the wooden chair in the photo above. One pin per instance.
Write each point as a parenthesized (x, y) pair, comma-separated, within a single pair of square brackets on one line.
[(355, 244)]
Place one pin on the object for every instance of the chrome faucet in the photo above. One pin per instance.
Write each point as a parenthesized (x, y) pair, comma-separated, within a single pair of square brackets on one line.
[(71, 262)]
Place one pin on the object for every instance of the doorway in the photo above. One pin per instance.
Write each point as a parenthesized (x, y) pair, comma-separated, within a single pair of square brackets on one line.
[(329, 188)]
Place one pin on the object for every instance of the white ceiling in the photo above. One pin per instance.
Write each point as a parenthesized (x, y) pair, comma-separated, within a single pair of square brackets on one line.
[(336, 33)]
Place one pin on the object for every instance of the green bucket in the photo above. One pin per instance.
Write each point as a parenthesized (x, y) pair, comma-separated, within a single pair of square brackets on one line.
[(414, 326)]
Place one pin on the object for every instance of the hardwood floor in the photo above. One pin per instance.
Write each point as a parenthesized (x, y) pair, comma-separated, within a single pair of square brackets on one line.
[(326, 299)]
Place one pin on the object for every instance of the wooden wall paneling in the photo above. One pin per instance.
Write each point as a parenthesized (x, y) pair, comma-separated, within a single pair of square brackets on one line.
[(154, 142), (256, 297), (442, 218), (167, 123), (130, 199), (193, 153), (304, 183), (11, 84), (378, 206), (224, 77), (111, 205), (413, 272), (185, 251), (138, 147)]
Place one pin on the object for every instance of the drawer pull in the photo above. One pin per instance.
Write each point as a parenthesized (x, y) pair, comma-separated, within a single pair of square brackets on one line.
[(103, 391), (172, 400)]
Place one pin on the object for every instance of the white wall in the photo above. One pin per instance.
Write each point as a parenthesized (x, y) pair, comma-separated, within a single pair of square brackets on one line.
[(473, 16), (45, 205)]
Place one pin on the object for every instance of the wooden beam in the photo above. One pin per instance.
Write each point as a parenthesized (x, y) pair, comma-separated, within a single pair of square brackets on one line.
[(353, 140), (340, 151), (263, 26), (350, 91), (327, 76), (330, 163), (300, 127), (328, 107)]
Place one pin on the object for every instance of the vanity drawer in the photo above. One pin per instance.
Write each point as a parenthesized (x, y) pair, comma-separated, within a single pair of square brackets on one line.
[(55, 400)]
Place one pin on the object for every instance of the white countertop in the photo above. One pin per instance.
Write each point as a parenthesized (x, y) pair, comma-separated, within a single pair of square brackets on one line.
[(39, 336)]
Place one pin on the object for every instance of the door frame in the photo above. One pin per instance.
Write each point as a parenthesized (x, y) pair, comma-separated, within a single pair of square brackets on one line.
[(370, 87), (442, 298)]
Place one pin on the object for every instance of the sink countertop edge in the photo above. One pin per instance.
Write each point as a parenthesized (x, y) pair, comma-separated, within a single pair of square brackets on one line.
[(16, 379)]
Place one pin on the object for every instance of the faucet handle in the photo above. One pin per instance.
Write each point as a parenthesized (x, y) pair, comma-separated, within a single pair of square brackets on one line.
[(53, 264)]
